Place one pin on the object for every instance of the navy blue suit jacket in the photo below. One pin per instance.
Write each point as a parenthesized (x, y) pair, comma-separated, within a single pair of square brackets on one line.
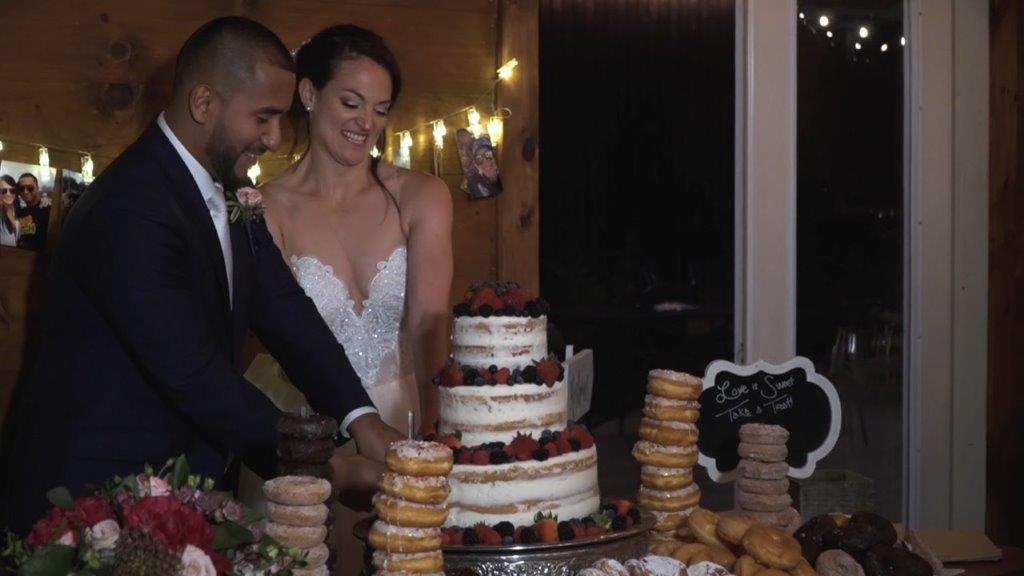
[(141, 346)]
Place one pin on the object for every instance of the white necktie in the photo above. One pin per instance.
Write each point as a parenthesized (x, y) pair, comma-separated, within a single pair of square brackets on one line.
[(219, 212)]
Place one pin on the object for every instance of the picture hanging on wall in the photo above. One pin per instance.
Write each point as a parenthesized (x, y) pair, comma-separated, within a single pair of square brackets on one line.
[(479, 165), (34, 185), (72, 187)]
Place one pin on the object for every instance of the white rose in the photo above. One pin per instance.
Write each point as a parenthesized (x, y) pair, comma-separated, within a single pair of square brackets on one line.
[(68, 539), (103, 535), (158, 487), (195, 562)]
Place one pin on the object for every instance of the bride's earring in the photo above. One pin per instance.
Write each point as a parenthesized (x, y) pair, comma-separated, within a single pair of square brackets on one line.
[(309, 109)]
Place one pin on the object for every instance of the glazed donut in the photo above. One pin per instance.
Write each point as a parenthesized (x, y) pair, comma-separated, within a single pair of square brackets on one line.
[(683, 533), (306, 451), (390, 538), (317, 555), (763, 502), (309, 427), (661, 408), (764, 434), (755, 486), (668, 500), (885, 533), (661, 478), (882, 560), (653, 454), (747, 566), (414, 458), (611, 567), (419, 489), (316, 470), (417, 563), (313, 515), (670, 433), (685, 551), (720, 556), (787, 520), (674, 385), (852, 538), (297, 490), (732, 527), (663, 548), (763, 470), (296, 536), (670, 521), (763, 452), (772, 547), (837, 563), (409, 514), (703, 524), (318, 571), (810, 534), (803, 568), (773, 572)]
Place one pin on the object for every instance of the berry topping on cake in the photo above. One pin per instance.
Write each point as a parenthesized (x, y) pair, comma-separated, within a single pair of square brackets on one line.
[(452, 375), (548, 371), (517, 298), (481, 457), (485, 296), (546, 527), (524, 447)]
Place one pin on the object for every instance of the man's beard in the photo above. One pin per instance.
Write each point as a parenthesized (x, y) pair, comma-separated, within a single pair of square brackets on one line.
[(223, 158)]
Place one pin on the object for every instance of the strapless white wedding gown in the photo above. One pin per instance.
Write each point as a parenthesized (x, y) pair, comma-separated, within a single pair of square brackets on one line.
[(373, 342)]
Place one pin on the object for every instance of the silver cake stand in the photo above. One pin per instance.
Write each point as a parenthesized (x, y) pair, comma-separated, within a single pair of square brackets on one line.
[(541, 559)]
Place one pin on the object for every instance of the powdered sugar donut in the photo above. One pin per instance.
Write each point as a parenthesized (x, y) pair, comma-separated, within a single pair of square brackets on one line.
[(668, 500), (702, 567), (661, 478), (655, 566), (405, 513), (661, 408), (610, 567), (313, 515), (296, 536), (418, 563), (389, 538), (763, 470), (415, 458), (419, 489), (670, 433), (674, 385), (763, 452), (297, 490), (755, 486), (763, 502), (654, 454), (764, 434), (317, 555)]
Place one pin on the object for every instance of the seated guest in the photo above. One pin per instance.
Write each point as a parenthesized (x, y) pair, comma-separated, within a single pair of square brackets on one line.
[(34, 215), (8, 220)]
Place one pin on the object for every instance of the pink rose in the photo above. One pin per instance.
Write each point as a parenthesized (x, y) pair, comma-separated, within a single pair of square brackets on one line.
[(195, 562), (158, 487), (249, 196), (103, 535), (68, 539)]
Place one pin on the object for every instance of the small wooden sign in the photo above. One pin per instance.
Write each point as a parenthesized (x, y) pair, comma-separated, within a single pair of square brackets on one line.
[(579, 375)]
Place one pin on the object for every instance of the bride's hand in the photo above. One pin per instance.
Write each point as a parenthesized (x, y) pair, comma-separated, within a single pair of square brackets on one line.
[(355, 479)]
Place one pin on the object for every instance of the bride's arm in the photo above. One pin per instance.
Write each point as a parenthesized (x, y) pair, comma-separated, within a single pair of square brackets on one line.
[(428, 207)]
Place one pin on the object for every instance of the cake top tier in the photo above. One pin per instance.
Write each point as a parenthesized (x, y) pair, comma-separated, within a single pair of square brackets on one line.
[(500, 299)]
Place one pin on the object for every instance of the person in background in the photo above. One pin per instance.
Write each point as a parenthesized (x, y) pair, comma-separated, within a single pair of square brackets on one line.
[(9, 225), (34, 215)]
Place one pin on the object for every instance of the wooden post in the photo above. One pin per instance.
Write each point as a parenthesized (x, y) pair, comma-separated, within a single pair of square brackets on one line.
[(518, 238)]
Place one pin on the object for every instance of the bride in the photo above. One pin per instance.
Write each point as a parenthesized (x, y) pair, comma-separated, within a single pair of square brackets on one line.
[(370, 243)]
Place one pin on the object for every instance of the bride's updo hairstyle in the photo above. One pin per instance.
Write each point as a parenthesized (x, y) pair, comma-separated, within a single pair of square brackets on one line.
[(319, 60)]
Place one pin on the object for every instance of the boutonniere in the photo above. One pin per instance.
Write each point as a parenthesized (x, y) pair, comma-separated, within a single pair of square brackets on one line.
[(245, 204)]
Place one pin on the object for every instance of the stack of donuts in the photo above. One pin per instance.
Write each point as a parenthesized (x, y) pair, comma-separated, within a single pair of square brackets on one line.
[(667, 449), (762, 488), (411, 508), (305, 444), (296, 516)]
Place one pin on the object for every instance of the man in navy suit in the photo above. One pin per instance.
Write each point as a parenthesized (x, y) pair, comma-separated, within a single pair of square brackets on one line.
[(152, 290)]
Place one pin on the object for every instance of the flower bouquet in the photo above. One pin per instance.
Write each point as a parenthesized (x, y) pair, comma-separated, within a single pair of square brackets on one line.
[(165, 523)]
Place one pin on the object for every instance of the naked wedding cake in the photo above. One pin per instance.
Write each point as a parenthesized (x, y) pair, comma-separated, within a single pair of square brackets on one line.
[(503, 406)]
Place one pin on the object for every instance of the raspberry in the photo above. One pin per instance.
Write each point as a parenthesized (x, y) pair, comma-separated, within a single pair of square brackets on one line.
[(481, 457), (502, 376), (463, 456), (552, 449)]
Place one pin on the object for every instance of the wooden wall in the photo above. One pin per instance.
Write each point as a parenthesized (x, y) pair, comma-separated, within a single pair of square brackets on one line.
[(1006, 275), (91, 75)]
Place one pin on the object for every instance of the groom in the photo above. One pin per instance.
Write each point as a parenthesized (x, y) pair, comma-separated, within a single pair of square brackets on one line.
[(152, 290)]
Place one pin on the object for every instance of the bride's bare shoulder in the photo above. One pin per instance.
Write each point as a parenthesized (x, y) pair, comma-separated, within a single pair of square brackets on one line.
[(418, 194)]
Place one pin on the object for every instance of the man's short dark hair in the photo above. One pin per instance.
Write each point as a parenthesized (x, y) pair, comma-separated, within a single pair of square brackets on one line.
[(226, 50), (30, 175)]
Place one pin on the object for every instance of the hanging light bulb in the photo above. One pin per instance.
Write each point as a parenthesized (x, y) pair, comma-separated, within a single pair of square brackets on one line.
[(87, 167), (505, 72), (439, 132), (375, 152), (406, 140), (802, 16), (254, 172), (829, 33), (857, 46), (823, 21), (884, 48), (44, 157), (903, 40), (474, 122), (1, 145), (863, 32), (496, 129)]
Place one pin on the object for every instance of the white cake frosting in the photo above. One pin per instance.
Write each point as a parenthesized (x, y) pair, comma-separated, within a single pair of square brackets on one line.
[(504, 341), (497, 413)]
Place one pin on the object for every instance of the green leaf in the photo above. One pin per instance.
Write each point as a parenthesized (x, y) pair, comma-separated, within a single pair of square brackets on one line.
[(180, 472), (53, 560), (228, 535), (60, 497)]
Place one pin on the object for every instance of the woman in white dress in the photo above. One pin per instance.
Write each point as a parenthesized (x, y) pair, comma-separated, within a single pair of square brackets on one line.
[(369, 242), (9, 226)]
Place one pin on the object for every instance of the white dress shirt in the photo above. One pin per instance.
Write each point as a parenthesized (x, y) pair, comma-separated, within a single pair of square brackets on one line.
[(213, 196)]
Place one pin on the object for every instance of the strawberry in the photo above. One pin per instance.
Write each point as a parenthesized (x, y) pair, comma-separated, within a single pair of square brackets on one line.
[(548, 371), (452, 376), (563, 445), (450, 440), (485, 295), (547, 529), (481, 457), (552, 449), (516, 298), (488, 536), (621, 506), (524, 446), (456, 537), (446, 538), (578, 529), (502, 376)]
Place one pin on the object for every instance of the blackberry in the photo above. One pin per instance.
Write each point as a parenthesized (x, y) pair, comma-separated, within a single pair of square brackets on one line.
[(470, 374), (495, 445), (479, 381), (469, 537), (545, 440), (565, 531), (505, 528), (485, 311), (462, 309), (634, 513), (588, 521), (575, 444), (540, 454), (528, 535), (609, 510), (561, 372), (500, 457), (455, 454), (619, 523), (530, 373), (492, 369), (531, 309)]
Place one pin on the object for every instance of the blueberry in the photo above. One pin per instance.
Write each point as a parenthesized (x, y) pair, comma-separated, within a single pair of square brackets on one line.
[(506, 529), (528, 535), (462, 309), (469, 537), (543, 305), (565, 531), (485, 311), (492, 369), (479, 381), (540, 454), (609, 509), (470, 374), (619, 523), (561, 372)]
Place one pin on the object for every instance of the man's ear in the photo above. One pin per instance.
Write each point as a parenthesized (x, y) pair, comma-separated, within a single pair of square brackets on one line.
[(202, 104)]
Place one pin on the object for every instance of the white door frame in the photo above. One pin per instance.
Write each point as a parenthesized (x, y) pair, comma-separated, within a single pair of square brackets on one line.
[(946, 235)]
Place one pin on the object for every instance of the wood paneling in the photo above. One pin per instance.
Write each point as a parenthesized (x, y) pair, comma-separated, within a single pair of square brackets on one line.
[(1006, 275)]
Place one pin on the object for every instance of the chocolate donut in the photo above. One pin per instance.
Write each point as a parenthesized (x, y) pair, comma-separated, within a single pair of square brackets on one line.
[(322, 470), (810, 534), (885, 533), (311, 427), (852, 538), (308, 451), (884, 560)]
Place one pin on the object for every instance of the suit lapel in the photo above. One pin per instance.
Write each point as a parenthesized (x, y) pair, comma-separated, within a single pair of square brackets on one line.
[(242, 265)]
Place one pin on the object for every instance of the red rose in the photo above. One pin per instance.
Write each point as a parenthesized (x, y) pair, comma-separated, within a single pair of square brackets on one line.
[(168, 520), (89, 511), (222, 563), (48, 528)]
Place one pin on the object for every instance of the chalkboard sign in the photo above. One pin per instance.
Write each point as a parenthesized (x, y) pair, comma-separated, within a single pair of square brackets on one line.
[(791, 395)]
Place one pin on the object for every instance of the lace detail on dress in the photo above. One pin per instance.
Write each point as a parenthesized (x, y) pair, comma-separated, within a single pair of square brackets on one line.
[(368, 337)]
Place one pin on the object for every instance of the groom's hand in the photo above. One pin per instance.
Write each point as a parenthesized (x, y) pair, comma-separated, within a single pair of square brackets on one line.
[(355, 479), (372, 436)]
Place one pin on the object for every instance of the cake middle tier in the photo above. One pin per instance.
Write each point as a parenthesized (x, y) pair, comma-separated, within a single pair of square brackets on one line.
[(504, 341), (565, 485), (483, 414)]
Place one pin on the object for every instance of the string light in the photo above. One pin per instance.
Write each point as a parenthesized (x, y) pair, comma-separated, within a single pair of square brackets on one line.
[(857, 45), (439, 132), (863, 32), (496, 129), (829, 33), (885, 48), (505, 72), (801, 15), (474, 122), (254, 172), (87, 168), (44, 157), (903, 40), (1, 145), (823, 21)]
